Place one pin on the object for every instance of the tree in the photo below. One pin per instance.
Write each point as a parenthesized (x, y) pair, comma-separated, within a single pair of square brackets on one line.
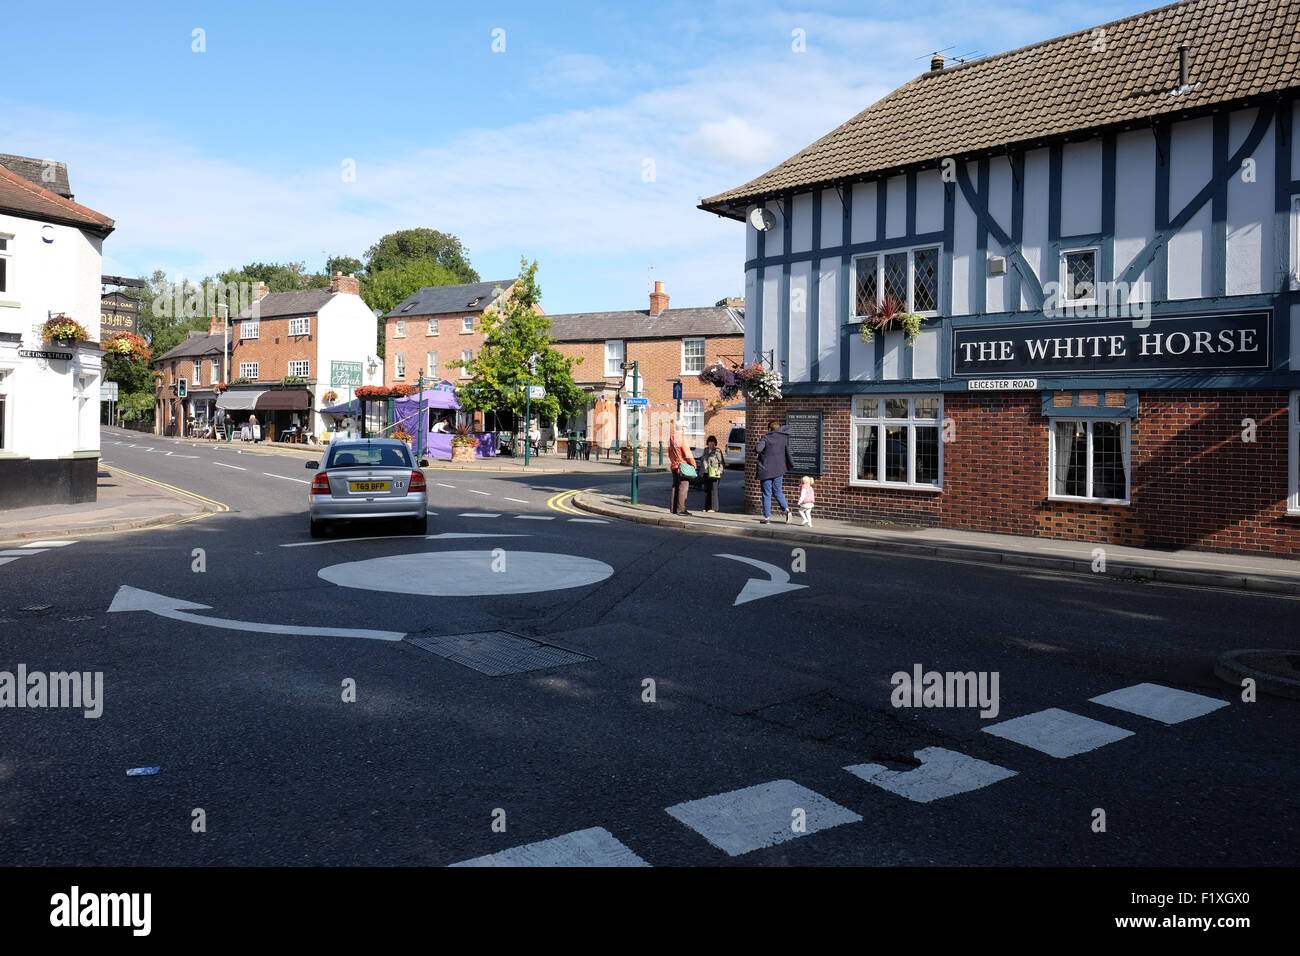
[(515, 331), (382, 291), (278, 276), (407, 245), (344, 264)]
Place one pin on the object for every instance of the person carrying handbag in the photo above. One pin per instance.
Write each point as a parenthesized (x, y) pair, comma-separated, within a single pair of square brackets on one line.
[(711, 464), (682, 465)]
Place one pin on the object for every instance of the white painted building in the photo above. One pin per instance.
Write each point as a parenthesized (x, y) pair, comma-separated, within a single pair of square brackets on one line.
[(50, 264)]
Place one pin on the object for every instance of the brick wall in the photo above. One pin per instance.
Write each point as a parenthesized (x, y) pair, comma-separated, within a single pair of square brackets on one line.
[(416, 345), (1194, 481), (274, 348)]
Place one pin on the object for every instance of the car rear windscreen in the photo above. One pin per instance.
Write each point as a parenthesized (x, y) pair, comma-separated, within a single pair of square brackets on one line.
[(369, 456), (737, 437)]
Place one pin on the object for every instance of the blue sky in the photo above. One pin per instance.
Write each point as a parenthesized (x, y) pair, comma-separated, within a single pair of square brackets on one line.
[(237, 154)]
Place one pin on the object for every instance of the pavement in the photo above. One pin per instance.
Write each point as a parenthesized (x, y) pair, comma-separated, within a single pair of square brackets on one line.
[(1245, 572), (124, 502)]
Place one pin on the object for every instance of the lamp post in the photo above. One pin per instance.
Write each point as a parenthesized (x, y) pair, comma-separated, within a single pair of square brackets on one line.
[(420, 428), (225, 343), (636, 422)]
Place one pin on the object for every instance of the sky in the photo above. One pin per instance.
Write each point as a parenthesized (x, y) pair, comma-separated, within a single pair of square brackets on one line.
[(218, 134)]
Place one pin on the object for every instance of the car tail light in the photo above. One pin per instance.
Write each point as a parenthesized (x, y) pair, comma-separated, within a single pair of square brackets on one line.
[(320, 485), (417, 482)]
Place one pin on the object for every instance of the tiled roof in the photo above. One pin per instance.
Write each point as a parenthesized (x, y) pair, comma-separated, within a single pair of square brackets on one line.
[(20, 197), (446, 299), (670, 323), (1109, 76), (47, 173), (196, 344), (279, 304)]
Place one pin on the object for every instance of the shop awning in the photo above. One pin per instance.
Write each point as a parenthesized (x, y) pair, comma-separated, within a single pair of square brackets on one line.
[(289, 400), (241, 401)]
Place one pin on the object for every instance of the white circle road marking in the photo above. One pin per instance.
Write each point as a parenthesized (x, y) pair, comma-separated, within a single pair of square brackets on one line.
[(450, 573)]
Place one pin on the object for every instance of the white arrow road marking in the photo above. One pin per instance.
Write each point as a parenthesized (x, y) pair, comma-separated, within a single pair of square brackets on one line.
[(756, 588), (403, 537), (301, 481), (134, 599)]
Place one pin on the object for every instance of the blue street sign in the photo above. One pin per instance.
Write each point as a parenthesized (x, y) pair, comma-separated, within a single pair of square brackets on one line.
[(677, 391), (636, 401)]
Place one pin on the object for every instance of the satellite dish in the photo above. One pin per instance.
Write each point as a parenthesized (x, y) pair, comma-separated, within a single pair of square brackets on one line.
[(761, 218)]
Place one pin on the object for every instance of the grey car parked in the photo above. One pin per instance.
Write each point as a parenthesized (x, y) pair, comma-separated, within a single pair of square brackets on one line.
[(368, 479)]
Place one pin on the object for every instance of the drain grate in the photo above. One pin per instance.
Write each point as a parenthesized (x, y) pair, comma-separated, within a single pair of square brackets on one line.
[(497, 652)]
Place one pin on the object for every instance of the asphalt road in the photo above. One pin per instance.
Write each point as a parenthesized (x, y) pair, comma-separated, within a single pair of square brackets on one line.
[(252, 728)]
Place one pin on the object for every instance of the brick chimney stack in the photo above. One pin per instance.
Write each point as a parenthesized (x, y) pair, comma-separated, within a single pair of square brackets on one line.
[(345, 283), (658, 299), (260, 291), (936, 63), (217, 325)]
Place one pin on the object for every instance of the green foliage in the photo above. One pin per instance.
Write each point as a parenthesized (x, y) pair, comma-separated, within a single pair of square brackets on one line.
[(499, 375), (278, 276), (344, 264), (384, 290), (408, 245), (137, 405)]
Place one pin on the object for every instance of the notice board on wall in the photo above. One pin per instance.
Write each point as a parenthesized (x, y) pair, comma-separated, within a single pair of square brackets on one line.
[(805, 442)]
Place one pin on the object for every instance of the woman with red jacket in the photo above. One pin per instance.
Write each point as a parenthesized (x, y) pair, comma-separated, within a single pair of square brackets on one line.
[(679, 453)]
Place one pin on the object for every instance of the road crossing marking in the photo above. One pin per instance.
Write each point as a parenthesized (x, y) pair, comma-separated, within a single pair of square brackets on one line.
[(1157, 702), (536, 517), (477, 514), (742, 821), (943, 773), (21, 552), (441, 485), (473, 491), (1058, 733), (595, 846), (590, 520), (48, 544), (7, 560), (224, 465), (516, 500)]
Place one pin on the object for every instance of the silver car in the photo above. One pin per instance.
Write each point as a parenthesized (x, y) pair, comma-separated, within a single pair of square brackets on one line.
[(366, 479)]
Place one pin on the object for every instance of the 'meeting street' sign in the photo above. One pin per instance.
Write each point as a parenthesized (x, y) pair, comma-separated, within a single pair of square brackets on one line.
[(1218, 341)]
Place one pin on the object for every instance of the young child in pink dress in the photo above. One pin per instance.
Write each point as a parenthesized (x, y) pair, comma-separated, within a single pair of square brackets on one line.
[(806, 499)]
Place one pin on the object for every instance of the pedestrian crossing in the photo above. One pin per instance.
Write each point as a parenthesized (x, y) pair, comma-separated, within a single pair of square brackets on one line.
[(10, 555), (753, 818)]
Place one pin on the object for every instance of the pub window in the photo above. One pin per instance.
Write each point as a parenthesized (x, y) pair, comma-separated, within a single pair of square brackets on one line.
[(399, 365), (301, 368), (4, 260), (1090, 460), (248, 370), (909, 275), (433, 327), (300, 326), (896, 441), (1293, 456), (249, 330), (1079, 276)]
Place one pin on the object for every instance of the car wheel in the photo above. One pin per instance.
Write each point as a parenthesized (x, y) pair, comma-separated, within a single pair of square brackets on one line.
[(317, 528), (420, 525)]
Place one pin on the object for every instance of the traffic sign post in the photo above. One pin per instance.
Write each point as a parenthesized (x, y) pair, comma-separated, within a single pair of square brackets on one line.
[(636, 402)]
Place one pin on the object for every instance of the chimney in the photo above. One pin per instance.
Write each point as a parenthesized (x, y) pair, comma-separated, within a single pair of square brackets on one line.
[(216, 326), (936, 63), (259, 291), (658, 299), (1182, 65), (349, 284)]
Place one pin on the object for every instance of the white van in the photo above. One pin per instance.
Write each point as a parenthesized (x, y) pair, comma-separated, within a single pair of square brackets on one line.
[(735, 448)]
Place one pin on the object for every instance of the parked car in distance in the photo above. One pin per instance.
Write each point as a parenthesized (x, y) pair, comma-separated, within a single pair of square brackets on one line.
[(734, 452), (367, 480)]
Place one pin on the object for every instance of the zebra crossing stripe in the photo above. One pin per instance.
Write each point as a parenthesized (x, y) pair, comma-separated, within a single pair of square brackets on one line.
[(1157, 702), (595, 846), (742, 821), (7, 560), (49, 544), (1058, 733), (943, 773)]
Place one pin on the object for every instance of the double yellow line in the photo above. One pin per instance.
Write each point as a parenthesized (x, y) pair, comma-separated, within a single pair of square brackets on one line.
[(216, 506), (562, 502)]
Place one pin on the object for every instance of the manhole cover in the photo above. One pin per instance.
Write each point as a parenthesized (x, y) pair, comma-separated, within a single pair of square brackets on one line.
[(497, 652)]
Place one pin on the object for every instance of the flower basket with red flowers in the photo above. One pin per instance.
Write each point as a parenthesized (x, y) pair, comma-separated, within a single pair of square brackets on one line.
[(383, 391), (128, 345)]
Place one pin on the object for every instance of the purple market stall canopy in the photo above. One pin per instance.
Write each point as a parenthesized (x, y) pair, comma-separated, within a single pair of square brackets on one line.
[(402, 407)]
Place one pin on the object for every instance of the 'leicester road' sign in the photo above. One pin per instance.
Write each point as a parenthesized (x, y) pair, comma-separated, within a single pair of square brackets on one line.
[(637, 401)]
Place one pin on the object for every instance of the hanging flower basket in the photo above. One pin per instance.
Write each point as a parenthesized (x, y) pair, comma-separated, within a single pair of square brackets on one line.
[(128, 345), (330, 397), (383, 391), (755, 382), (888, 315), (65, 331)]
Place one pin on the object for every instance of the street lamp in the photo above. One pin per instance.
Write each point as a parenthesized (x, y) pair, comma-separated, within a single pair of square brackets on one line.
[(225, 343), (635, 366)]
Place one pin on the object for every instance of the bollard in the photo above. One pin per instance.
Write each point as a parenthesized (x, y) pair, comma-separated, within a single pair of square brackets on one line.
[(661, 453), (648, 461)]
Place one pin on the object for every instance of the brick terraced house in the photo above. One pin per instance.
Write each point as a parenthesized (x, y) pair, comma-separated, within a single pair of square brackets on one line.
[(437, 325), (1102, 234), (197, 360), (669, 344)]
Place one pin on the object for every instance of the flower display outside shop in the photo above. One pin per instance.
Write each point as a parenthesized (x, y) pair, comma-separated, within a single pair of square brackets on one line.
[(402, 435), (128, 345), (330, 397), (753, 381), (384, 391), (464, 436), (60, 328)]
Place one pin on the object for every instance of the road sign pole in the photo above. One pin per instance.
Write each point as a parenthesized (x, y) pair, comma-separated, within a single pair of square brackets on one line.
[(528, 423), (636, 422), (420, 432)]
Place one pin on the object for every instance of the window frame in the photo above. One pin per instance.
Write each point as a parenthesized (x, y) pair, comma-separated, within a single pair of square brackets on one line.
[(686, 370), (1295, 244), (622, 358), (399, 329), (246, 325), (6, 254), (431, 328), (399, 365), (698, 403), (467, 320), (198, 373), (1063, 277), (1293, 455), (431, 364), (256, 368), (305, 327), (880, 255), (466, 355), (879, 421), (4, 411), (306, 367), (1126, 452)]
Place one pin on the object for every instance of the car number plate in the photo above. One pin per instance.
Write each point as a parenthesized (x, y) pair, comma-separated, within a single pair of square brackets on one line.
[(368, 485)]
